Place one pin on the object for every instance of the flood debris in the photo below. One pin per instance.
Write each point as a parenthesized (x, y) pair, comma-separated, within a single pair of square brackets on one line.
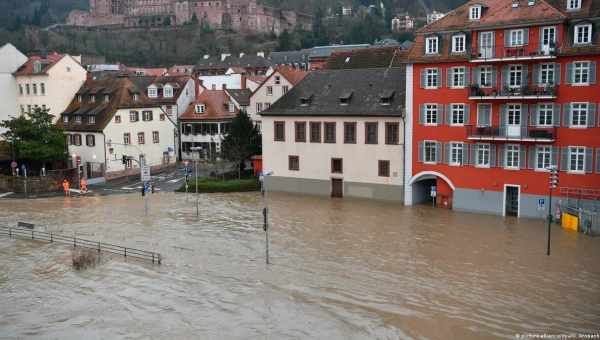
[(85, 258)]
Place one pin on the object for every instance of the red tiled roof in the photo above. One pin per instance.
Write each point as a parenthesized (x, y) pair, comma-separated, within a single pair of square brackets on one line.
[(237, 69), (216, 107), (153, 72), (257, 79), (293, 75), (47, 63)]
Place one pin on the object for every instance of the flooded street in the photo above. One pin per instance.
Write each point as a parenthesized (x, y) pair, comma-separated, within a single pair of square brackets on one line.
[(341, 270)]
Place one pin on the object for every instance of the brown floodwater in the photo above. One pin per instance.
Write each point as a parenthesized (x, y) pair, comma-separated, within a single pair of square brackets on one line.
[(348, 269)]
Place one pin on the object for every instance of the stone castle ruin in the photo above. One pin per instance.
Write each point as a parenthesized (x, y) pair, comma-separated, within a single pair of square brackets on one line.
[(238, 15)]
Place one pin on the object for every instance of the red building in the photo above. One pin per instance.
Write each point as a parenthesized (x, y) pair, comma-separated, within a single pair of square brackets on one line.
[(503, 90)]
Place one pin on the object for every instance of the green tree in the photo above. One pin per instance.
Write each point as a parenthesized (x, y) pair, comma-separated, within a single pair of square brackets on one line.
[(284, 41), (242, 142), (34, 137), (194, 19)]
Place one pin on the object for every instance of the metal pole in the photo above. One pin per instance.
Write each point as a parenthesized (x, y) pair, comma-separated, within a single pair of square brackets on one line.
[(549, 221), (265, 217), (197, 197)]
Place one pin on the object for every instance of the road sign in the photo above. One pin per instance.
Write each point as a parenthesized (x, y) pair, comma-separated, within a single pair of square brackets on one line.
[(541, 203), (145, 170), (433, 191)]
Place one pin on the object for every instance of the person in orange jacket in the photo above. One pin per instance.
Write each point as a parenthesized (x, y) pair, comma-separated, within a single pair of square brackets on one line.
[(66, 187), (83, 185)]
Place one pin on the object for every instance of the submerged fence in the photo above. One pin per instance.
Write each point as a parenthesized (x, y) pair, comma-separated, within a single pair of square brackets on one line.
[(31, 234)]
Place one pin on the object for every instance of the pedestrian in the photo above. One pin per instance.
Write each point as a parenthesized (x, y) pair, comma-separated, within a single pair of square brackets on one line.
[(66, 187), (83, 185)]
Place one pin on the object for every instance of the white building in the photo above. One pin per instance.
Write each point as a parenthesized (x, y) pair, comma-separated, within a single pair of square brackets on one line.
[(434, 16), (48, 82), (403, 22), (111, 118), (279, 82), (10, 61), (338, 133)]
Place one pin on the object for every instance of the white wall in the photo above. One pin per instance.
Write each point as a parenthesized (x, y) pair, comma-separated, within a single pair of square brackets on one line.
[(93, 154), (360, 160), (10, 61), (260, 96), (233, 81)]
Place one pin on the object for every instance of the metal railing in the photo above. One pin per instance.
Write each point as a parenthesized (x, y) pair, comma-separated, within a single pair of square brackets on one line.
[(31, 234), (521, 91), (506, 133), (529, 50)]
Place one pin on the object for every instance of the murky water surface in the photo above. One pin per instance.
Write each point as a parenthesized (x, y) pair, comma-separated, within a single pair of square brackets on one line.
[(341, 270)]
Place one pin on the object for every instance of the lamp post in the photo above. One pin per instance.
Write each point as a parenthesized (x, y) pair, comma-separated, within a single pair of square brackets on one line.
[(74, 156), (199, 149), (552, 185), (263, 192)]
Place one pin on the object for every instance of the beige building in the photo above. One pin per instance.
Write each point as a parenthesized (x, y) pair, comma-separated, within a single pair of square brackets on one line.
[(338, 133), (48, 82)]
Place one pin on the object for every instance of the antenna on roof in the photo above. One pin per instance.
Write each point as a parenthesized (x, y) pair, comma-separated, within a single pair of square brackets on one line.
[(391, 63)]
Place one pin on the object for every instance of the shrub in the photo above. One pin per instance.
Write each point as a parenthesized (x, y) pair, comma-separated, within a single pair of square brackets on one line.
[(85, 258)]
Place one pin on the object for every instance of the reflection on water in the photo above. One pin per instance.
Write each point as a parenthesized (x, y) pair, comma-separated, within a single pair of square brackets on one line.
[(341, 270)]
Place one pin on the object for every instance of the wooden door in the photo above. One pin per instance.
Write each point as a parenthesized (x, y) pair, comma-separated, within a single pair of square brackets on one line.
[(337, 188)]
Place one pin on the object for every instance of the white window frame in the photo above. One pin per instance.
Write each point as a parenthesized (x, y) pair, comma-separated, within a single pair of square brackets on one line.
[(547, 73), (486, 76), (168, 92), (545, 116), (432, 78), (269, 90), (431, 115), (579, 152), (456, 110), (516, 38), (200, 108), (583, 34), (515, 161), (484, 152), (432, 45), (456, 154), (152, 92), (479, 106), (543, 155), (91, 120), (433, 144), (580, 109), (581, 69), (459, 43), (475, 13), (515, 72), (65, 118), (573, 5), (459, 75)]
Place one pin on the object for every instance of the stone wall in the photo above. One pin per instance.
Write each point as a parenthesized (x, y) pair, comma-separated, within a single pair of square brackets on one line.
[(37, 185)]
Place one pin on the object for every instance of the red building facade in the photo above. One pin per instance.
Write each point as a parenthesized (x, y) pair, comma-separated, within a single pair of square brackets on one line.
[(503, 90)]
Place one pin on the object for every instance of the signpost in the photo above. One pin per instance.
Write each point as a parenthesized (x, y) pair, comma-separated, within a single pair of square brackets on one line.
[(433, 193), (553, 185)]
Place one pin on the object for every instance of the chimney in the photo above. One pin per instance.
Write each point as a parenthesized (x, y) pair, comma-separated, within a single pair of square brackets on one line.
[(242, 54), (260, 54), (206, 56), (224, 56)]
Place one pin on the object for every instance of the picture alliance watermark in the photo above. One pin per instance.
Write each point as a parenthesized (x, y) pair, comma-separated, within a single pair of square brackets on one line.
[(558, 336)]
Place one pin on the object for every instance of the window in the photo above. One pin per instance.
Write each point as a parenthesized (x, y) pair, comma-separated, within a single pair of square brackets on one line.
[(259, 107), (514, 114), (431, 114), (90, 140), (267, 106), (293, 163), (350, 133), (155, 137), (134, 116), (457, 114), (371, 133), (69, 139), (44, 107), (330, 128), (21, 89), (126, 138), (432, 45), (485, 76), (77, 140), (152, 92), (22, 109), (300, 128), (277, 80), (583, 34), (79, 98), (515, 77), (141, 138), (91, 120), (432, 78), (92, 98), (77, 119), (475, 13), (29, 108), (547, 74), (483, 155), (383, 169), (581, 72), (512, 156), (457, 77), (430, 152), (147, 116), (456, 154), (459, 43), (315, 132), (162, 117), (200, 108), (545, 114), (169, 109), (573, 4), (279, 131), (34, 87), (27, 88), (579, 113), (337, 165), (577, 159), (269, 90), (106, 98), (42, 88), (392, 135), (168, 92), (65, 118), (117, 119), (135, 97), (484, 115), (285, 89), (516, 38), (543, 157)]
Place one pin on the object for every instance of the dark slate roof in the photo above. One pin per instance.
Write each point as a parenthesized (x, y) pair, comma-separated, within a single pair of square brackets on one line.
[(367, 58), (240, 96), (289, 57), (326, 51), (246, 61), (365, 87)]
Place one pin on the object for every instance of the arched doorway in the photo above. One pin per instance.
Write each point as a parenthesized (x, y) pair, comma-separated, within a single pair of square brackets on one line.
[(431, 187)]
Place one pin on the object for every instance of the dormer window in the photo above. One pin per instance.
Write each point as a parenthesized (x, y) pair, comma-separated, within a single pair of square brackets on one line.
[(305, 101), (459, 44), (231, 107), (152, 92), (135, 97), (583, 34), (345, 98), (79, 98), (92, 98), (37, 67), (168, 92), (385, 98), (65, 119), (200, 108), (432, 45), (106, 98), (475, 13), (77, 119), (573, 5), (91, 120), (277, 80)]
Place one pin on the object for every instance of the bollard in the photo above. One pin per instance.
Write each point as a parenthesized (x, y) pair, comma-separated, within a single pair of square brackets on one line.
[(152, 257), (51, 238), (10, 232), (125, 252), (75, 242), (98, 247), (32, 235)]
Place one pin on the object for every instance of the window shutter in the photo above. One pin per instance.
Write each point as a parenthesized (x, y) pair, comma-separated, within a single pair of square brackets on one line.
[(593, 72), (448, 114), (494, 77), (422, 114), (506, 38), (522, 157), (534, 118), (476, 76), (421, 146), (423, 78), (526, 36), (555, 152), (588, 160), (467, 76), (591, 115), (564, 159), (505, 75), (525, 74), (447, 151), (556, 74), (532, 156), (524, 115), (536, 74), (438, 152), (449, 76), (493, 155), (467, 114), (503, 116), (569, 79), (556, 115), (473, 155), (439, 114), (465, 155), (598, 161), (439, 78), (567, 115), (501, 156)]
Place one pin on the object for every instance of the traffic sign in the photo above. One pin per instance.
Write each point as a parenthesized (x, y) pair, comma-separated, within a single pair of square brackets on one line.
[(145, 171)]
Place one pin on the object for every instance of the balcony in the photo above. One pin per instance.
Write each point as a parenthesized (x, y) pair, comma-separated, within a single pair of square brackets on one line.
[(534, 92), (512, 134), (531, 51)]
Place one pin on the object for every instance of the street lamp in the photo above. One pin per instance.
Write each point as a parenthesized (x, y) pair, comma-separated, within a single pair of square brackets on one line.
[(553, 184), (199, 149), (263, 192)]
